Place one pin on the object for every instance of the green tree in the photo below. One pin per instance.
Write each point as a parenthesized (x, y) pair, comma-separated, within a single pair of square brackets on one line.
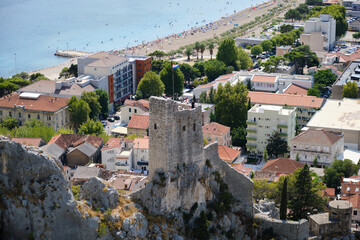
[(37, 76), (200, 66), (65, 131), (256, 50), (338, 12), (9, 123), (313, 92), (150, 85), (156, 65), (202, 50), (267, 45), (284, 201), (7, 87), (249, 85), (238, 136), (316, 162), (190, 73), (188, 52), (35, 129), (228, 52), (314, 2), (302, 56), (214, 69), (231, 105), (339, 169), (197, 49), (79, 111), (166, 76), (158, 54), (323, 78), (201, 227), (23, 75), (264, 189), (277, 146), (104, 101), (356, 35), (265, 155), (293, 14), (211, 49), (244, 61), (92, 100), (304, 198), (273, 62), (286, 28), (350, 90), (297, 158), (91, 127)]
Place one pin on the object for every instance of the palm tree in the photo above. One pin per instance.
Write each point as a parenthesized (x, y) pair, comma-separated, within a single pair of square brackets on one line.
[(211, 49), (188, 53), (197, 48), (202, 49)]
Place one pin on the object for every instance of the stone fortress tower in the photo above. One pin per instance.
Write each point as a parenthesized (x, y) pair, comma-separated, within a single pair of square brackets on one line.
[(341, 211), (175, 136)]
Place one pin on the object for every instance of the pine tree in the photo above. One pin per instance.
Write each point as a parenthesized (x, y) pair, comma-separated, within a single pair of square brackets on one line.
[(304, 197), (265, 155), (284, 201), (316, 164), (297, 157)]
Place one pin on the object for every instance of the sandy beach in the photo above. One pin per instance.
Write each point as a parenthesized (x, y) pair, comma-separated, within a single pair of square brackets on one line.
[(193, 35)]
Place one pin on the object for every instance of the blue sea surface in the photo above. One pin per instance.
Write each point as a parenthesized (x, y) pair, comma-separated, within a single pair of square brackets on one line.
[(32, 30)]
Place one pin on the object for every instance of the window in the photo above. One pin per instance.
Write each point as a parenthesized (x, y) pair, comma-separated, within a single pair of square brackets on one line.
[(294, 146), (348, 189), (1, 113), (155, 126), (10, 115), (94, 69), (357, 190), (129, 118), (194, 127), (184, 128), (139, 64), (19, 115), (29, 115), (38, 116), (355, 212), (129, 109), (135, 110)]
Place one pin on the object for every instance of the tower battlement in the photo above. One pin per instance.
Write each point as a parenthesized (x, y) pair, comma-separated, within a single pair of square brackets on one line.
[(175, 135)]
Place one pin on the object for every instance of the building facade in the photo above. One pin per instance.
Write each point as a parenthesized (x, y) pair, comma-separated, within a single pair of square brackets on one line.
[(52, 111), (141, 154), (132, 107), (322, 144), (216, 132), (319, 33), (263, 121)]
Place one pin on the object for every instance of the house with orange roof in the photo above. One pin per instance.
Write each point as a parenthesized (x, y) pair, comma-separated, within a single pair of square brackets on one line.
[(329, 193), (36, 142), (139, 125), (350, 191), (295, 90), (227, 154), (306, 106), (128, 182), (141, 154), (265, 83), (75, 149), (274, 169), (242, 169), (132, 107), (52, 111), (322, 144), (214, 131)]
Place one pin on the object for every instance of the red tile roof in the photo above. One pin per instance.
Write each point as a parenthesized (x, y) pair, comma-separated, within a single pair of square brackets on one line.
[(139, 122), (260, 78), (316, 136), (288, 99), (66, 140), (329, 192), (227, 154), (112, 143), (43, 103), (142, 104), (36, 142), (355, 201), (226, 76), (215, 129), (242, 169), (141, 143), (282, 165), (350, 187), (296, 90)]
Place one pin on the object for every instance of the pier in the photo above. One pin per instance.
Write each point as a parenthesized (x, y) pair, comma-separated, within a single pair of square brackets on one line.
[(71, 53)]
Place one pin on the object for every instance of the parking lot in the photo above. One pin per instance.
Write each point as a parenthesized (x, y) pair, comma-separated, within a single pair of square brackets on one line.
[(111, 125)]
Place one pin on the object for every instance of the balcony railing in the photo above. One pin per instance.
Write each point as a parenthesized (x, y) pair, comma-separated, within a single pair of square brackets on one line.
[(282, 134), (251, 130), (251, 138), (250, 146), (282, 126), (250, 123)]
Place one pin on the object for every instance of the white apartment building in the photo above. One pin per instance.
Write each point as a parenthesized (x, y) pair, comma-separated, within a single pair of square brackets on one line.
[(319, 33), (325, 145), (263, 121), (141, 154), (265, 83), (116, 69), (132, 107)]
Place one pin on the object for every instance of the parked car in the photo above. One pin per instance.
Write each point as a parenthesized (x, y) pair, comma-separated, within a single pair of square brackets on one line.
[(111, 119), (103, 123), (117, 117)]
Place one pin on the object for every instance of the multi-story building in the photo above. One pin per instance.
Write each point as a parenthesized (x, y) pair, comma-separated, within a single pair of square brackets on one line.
[(306, 106), (351, 74), (132, 107), (139, 125), (117, 71), (217, 132), (109, 152), (52, 111), (141, 154), (340, 116), (319, 143), (319, 33), (263, 121), (142, 66), (265, 83)]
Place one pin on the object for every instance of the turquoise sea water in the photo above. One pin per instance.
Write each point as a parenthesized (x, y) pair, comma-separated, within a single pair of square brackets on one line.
[(32, 30)]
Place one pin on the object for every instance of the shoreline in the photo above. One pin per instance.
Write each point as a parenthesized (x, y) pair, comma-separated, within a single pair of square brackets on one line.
[(176, 40)]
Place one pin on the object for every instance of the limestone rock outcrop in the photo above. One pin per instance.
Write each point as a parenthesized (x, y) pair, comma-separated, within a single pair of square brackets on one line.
[(35, 198)]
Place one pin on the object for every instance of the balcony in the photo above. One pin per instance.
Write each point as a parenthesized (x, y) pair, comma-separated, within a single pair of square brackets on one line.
[(282, 134), (250, 146), (251, 138), (251, 130), (282, 126), (142, 163), (250, 123)]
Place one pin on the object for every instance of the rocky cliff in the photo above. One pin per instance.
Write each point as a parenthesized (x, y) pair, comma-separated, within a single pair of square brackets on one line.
[(36, 202)]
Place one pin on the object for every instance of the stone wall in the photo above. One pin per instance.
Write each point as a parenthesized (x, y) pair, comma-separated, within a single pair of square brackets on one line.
[(294, 230), (240, 186), (175, 136)]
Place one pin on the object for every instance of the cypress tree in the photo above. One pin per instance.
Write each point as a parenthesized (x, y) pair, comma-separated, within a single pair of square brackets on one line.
[(284, 201), (316, 163), (297, 157), (249, 104)]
